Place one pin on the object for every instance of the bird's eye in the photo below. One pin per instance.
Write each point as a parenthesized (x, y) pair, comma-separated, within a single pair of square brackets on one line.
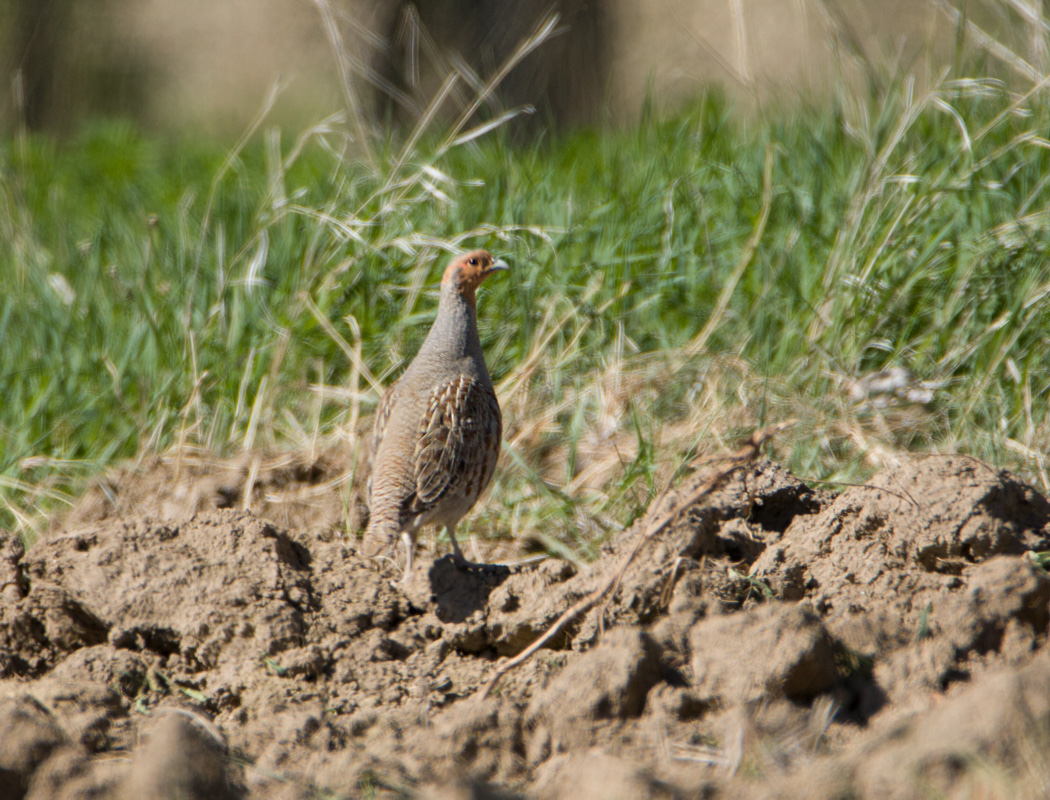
[(473, 262)]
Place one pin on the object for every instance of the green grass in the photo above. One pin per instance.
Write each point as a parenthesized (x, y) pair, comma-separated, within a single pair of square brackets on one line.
[(674, 284)]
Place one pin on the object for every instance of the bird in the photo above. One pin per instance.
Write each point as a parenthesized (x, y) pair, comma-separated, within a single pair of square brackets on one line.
[(438, 427)]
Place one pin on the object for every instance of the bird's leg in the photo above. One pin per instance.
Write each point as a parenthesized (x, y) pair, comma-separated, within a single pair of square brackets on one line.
[(457, 554), (410, 545)]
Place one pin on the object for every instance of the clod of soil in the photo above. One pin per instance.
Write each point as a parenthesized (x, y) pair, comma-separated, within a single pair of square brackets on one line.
[(774, 642), (798, 656)]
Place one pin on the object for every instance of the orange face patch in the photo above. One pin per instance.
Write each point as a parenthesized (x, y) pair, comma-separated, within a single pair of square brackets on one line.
[(466, 272)]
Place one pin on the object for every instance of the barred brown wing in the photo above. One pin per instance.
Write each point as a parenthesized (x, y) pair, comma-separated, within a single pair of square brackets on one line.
[(459, 443)]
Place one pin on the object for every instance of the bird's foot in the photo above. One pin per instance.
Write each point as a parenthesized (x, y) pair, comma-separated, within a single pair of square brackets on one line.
[(463, 563)]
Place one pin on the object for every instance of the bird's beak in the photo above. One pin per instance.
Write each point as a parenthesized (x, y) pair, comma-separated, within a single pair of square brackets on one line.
[(498, 265)]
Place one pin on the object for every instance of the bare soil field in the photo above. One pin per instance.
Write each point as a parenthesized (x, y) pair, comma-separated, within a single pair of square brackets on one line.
[(206, 630)]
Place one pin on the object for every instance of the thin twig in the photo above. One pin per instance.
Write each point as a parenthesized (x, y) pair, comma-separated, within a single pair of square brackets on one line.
[(656, 524)]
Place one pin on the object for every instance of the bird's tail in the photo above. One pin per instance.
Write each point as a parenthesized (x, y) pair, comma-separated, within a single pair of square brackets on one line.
[(379, 535)]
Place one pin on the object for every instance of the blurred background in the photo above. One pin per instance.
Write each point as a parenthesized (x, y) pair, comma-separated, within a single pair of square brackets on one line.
[(203, 64)]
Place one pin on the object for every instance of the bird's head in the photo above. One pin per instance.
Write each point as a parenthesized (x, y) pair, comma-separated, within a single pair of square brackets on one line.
[(466, 273)]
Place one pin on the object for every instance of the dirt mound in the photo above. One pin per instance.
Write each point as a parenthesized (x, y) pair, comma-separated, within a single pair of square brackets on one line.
[(294, 490), (915, 568), (773, 641)]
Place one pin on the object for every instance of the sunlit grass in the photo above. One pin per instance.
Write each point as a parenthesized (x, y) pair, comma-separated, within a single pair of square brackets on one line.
[(673, 285)]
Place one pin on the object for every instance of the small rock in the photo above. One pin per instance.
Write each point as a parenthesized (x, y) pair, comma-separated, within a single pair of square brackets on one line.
[(30, 735), (179, 758), (598, 774), (609, 682), (764, 653)]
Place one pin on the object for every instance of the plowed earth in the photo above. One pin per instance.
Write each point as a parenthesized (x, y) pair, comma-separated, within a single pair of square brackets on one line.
[(777, 641)]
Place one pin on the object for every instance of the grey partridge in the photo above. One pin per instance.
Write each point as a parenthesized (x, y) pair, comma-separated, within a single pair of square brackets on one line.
[(438, 428)]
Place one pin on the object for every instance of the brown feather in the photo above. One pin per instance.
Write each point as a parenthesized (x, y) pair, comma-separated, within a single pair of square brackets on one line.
[(386, 406), (458, 444)]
